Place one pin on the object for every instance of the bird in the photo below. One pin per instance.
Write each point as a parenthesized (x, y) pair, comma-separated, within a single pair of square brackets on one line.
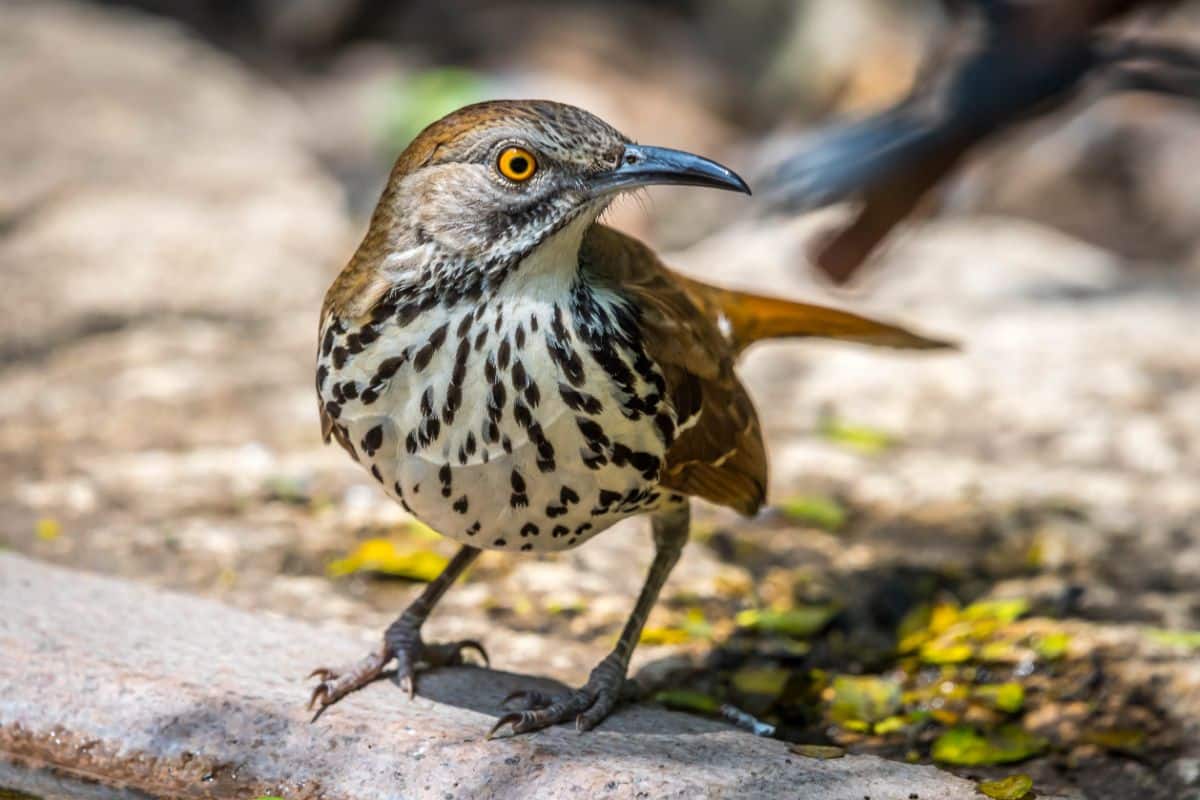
[(520, 377), (1006, 61)]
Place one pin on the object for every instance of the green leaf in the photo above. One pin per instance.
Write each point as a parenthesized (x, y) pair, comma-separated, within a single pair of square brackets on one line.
[(686, 700), (969, 748), (413, 103), (1183, 640), (797, 623), (862, 438), (1052, 646), (1007, 697), (821, 751), (1014, 787), (1002, 611), (863, 699), (383, 557), (816, 510), (768, 681)]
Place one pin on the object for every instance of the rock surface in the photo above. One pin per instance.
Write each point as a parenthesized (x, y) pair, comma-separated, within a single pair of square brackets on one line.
[(181, 696)]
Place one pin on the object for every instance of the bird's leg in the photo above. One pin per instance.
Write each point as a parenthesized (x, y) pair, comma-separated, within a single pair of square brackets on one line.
[(592, 703), (401, 641)]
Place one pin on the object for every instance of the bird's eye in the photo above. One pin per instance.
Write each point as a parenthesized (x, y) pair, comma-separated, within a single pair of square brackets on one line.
[(516, 164)]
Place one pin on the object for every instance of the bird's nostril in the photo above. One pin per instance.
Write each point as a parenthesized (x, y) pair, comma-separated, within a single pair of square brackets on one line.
[(631, 159)]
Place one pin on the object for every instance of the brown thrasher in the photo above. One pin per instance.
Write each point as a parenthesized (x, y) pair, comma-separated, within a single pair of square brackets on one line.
[(520, 377)]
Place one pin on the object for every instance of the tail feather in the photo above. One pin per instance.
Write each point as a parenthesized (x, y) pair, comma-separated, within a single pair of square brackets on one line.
[(749, 318)]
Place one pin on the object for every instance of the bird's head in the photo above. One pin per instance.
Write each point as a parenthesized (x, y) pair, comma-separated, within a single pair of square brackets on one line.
[(492, 181)]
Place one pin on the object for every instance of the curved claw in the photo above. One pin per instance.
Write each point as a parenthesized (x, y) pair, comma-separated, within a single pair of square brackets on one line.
[(508, 719), (477, 647)]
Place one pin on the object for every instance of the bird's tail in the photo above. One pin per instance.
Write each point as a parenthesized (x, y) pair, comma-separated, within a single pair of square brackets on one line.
[(747, 318)]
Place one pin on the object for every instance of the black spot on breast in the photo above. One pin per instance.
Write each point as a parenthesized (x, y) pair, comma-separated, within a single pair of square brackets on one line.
[(327, 343), (388, 368), (516, 500), (592, 431), (560, 530), (500, 543), (506, 444), (583, 528), (373, 440), (579, 401), (567, 495), (522, 414), (460, 505), (369, 396), (480, 338), (519, 336), (464, 326), (410, 442), (339, 357), (526, 547), (555, 511), (421, 360), (533, 323), (333, 409), (427, 402), (503, 354), (322, 374), (444, 475), (519, 378), (499, 321), (593, 460), (529, 529), (375, 472), (517, 481)]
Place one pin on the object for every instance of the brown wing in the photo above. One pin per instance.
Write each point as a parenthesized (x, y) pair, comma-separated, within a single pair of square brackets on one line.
[(694, 332), (718, 451)]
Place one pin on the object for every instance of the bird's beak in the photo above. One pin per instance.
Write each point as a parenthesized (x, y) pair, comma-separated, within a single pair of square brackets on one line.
[(643, 166)]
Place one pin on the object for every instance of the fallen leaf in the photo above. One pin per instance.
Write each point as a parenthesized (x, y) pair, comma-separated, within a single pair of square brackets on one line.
[(1014, 787), (664, 635), (687, 700), (1007, 697), (821, 751), (383, 557), (822, 512), (1184, 640), (862, 438), (863, 699), (968, 747), (1052, 646), (795, 622), (768, 681), (1003, 611), (47, 529)]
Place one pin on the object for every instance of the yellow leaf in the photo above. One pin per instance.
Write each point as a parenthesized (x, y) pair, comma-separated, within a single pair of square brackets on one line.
[(382, 556), (1014, 787), (47, 529), (665, 636), (890, 725), (1052, 646), (1003, 611), (946, 652)]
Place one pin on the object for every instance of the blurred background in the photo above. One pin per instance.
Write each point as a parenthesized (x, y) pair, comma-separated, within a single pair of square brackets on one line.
[(978, 559)]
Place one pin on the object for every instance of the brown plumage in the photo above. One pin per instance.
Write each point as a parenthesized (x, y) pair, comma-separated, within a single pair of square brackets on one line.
[(521, 377)]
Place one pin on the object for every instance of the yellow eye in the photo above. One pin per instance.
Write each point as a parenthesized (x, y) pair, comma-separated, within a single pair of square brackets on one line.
[(516, 164)]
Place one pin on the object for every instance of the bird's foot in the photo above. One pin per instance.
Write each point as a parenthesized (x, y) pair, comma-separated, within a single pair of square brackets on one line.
[(588, 706), (402, 643)]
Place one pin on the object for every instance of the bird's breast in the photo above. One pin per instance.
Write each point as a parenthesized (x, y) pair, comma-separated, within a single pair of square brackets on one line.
[(529, 420)]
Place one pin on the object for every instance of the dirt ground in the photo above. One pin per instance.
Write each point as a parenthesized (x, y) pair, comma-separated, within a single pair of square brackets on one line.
[(980, 556)]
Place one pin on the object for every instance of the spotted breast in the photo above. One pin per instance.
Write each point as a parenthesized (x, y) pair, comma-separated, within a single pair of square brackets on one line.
[(522, 414)]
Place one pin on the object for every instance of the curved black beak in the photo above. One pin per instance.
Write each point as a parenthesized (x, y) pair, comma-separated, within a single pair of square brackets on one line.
[(642, 165)]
